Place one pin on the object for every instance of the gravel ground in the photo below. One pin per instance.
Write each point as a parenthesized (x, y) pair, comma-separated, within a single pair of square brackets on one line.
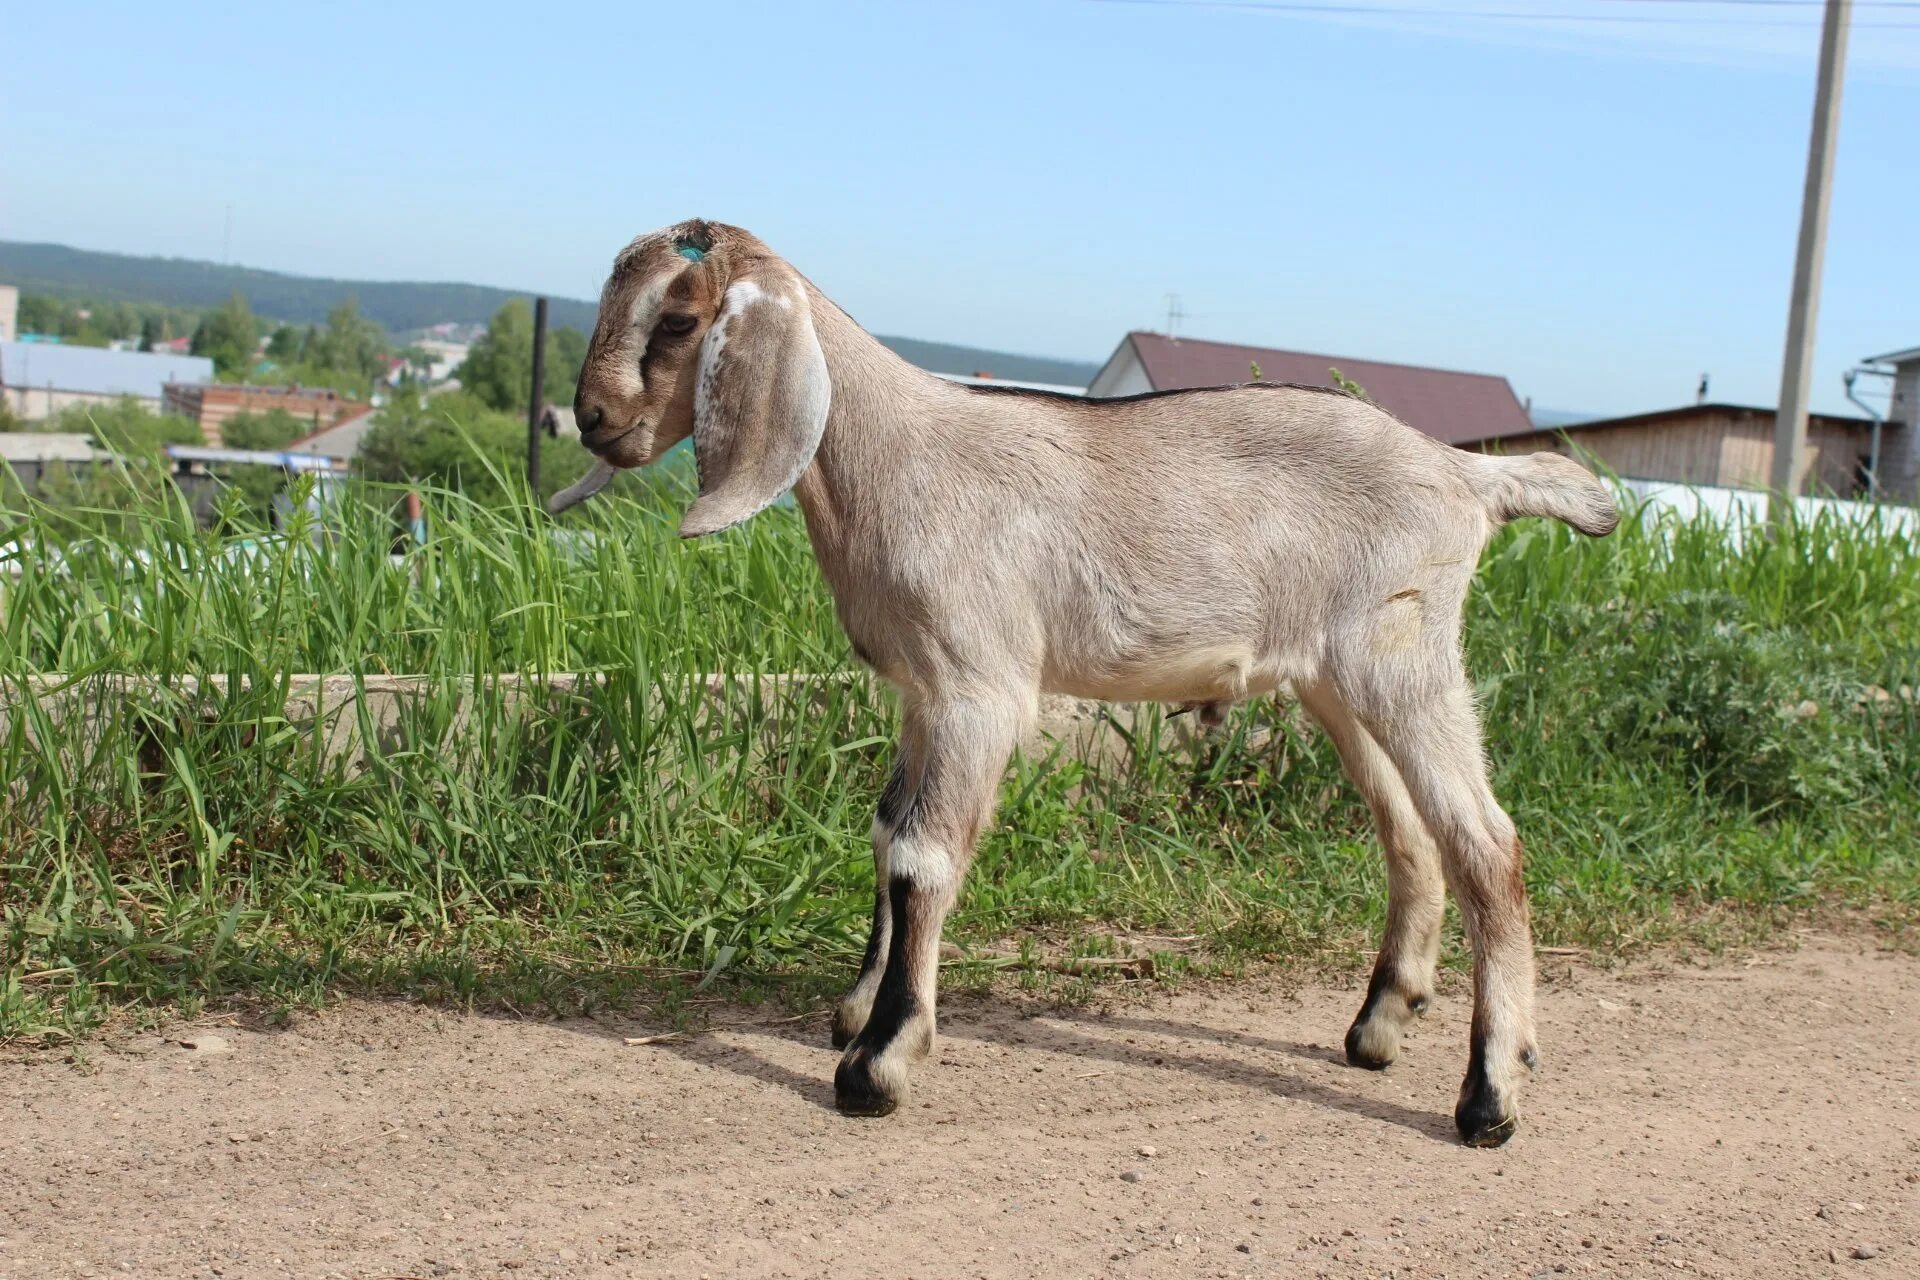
[(1756, 1119)]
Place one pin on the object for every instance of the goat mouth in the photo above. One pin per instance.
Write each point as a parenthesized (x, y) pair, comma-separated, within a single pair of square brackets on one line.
[(600, 442)]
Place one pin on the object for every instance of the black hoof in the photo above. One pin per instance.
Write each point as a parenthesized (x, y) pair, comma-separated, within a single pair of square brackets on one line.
[(1482, 1118), (854, 1091), (1359, 1055), (842, 1037)]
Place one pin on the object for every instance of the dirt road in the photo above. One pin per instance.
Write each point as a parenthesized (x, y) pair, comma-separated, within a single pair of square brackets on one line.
[(1753, 1120)]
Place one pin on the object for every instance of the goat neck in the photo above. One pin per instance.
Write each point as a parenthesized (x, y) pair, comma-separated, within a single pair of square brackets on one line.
[(881, 407)]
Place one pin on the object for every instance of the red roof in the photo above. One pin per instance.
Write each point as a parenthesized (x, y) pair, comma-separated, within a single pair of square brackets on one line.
[(1458, 408)]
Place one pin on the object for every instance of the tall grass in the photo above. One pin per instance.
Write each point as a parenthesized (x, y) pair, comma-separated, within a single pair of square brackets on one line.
[(1688, 731)]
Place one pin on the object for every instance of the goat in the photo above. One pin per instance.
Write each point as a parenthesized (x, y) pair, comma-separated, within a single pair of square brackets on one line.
[(1200, 547)]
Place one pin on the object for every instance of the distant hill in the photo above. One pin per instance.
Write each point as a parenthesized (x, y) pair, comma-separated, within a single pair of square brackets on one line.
[(184, 282), (396, 305), (944, 357)]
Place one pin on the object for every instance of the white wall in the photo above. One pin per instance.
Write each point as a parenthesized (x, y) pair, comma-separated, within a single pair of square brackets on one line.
[(1740, 509), (35, 403), (1122, 376)]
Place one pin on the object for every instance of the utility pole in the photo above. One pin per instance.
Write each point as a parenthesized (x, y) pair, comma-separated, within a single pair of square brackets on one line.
[(537, 399), (1790, 421)]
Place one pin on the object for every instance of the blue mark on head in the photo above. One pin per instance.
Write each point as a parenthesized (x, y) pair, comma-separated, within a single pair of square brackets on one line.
[(691, 252)]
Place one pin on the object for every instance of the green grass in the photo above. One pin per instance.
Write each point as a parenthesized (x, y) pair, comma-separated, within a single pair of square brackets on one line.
[(1642, 696)]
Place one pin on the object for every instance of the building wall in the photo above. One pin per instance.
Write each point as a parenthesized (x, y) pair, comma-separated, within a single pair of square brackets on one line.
[(1900, 451), (9, 313), (1726, 447), (447, 356), (211, 405), (36, 403)]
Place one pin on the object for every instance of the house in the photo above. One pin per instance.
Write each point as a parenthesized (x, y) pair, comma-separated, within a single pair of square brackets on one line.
[(39, 379), (1458, 408), (1900, 438), (210, 405), (9, 313), (337, 443), (443, 357), (30, 454), (1720, 445)]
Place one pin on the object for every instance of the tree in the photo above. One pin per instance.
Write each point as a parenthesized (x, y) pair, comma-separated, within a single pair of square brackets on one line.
[(274, 429), (127, 427), (458, 441), (39, 313), (114, 499), (229, 336), (250, 487), (419, 364), (499, 368), (350, 344), (115, 319), (284, 345), (566, 352)]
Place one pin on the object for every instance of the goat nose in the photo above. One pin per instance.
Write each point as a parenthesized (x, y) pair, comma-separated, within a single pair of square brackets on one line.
[(588, 417)]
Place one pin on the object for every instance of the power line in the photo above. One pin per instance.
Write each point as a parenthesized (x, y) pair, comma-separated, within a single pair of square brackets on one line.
[(1807, 4), (1612, 19)]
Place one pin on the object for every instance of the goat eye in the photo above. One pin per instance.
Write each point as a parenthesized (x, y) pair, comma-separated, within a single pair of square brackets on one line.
[(679, 325)]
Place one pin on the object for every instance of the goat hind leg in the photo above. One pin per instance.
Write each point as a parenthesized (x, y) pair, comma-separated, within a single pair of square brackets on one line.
[(1434, 741), (1402, 981)]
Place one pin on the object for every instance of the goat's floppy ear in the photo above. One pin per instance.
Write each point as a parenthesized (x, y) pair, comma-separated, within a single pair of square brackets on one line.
[(761, 401)]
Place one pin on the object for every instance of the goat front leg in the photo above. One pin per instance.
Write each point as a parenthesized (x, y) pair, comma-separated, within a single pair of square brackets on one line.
[(854, 1009), (950, 783)]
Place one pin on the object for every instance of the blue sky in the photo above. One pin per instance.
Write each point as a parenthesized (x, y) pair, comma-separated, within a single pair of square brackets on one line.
[(1600, 211)]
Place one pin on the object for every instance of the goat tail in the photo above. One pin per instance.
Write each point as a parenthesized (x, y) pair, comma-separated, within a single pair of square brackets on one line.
[(1543, 484)]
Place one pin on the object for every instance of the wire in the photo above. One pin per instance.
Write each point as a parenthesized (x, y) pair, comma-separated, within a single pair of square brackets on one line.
[(1618, 19), (1811, 4)]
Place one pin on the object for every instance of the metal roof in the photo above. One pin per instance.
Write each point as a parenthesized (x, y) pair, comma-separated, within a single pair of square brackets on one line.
[(1458, 408), (96, 371), (49, 446), (1845, 421), (257, 457), (1895, 357), (339, 441)]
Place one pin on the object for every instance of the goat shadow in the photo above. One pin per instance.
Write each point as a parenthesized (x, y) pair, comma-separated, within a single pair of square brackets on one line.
[(1067, 1033)]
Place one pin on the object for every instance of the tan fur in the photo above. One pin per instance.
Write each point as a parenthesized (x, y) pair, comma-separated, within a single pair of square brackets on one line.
[(1200, 547)]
